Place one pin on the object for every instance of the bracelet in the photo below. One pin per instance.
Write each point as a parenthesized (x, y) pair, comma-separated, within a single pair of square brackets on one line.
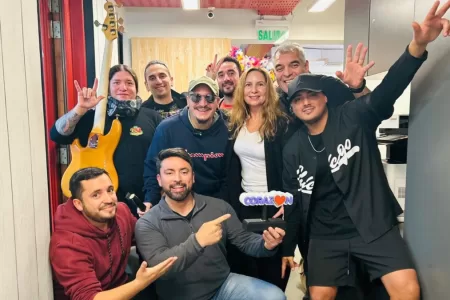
[(359, 90)]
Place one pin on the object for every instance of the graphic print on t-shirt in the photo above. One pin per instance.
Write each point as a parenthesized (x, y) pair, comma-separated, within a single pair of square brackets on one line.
[(345, 152), (305, 186)]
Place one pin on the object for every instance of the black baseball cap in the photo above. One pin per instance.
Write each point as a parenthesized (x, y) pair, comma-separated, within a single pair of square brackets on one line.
[(335, 90)]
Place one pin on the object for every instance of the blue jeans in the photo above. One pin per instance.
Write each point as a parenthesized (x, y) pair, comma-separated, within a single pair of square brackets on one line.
[(238, 287)]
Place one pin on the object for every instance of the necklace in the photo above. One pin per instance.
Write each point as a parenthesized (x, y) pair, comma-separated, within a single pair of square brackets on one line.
[(313, 146)]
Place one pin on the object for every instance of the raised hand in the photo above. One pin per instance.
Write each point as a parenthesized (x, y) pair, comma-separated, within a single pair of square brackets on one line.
[(87, 97), (355, 71), (145, 276), (433, 25), (213, 68), (273, 237), (210, 232)]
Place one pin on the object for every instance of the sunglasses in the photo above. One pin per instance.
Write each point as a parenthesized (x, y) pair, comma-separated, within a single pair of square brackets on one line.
[(196, 98)]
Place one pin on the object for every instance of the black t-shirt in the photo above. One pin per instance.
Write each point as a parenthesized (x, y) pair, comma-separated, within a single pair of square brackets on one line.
[(165, 110), (329, 217)]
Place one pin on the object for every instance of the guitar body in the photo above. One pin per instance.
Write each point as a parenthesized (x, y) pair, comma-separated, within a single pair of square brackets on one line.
[(99, 152)]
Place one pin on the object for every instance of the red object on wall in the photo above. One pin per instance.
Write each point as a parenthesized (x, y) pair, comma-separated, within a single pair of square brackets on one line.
[(72, 30), (75, 47), (263, 7), (49, 87)]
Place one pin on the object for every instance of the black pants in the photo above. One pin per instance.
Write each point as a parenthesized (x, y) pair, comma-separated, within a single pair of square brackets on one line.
[(264, 268)]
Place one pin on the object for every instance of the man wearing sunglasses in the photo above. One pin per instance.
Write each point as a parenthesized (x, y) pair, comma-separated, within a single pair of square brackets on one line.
[(199, 129)]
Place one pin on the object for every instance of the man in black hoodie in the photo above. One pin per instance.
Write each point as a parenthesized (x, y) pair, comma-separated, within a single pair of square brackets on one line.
[(159, 82)]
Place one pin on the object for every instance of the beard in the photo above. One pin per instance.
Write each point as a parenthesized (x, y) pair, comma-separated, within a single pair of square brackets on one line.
[(229, 91), (97, 217), (179, 197)]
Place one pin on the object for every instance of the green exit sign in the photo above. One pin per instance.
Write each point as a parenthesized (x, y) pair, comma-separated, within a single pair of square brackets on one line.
[(271, 35)]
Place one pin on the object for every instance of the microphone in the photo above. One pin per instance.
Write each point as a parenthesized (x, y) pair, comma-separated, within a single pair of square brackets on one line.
[(272, 198), (136, 200)]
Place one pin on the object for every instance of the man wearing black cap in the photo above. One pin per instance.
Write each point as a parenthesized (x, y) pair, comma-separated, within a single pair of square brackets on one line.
[(333, 167)]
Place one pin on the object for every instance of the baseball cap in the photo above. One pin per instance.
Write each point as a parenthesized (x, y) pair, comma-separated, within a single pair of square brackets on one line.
[(306, 82), (207, 81)]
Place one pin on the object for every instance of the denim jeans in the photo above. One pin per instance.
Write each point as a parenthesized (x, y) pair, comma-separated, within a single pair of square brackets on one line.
[(238, 287)]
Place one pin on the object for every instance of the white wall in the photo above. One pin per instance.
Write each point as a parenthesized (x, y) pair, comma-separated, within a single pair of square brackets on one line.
[(24, 204), (238, 25)]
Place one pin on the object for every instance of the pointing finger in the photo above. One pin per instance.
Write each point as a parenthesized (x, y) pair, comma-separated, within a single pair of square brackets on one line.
[(221, 219)]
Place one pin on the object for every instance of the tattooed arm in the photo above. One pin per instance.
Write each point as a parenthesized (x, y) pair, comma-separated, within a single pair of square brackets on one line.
[(66, 124)]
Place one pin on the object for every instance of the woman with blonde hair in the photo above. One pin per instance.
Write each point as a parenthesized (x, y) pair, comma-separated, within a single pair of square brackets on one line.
[(257, 126)]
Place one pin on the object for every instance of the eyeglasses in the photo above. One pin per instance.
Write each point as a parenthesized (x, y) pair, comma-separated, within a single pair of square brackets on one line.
[(196, 98)]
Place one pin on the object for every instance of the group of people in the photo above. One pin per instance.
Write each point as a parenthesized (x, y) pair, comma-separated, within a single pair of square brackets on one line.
[(190, 156)]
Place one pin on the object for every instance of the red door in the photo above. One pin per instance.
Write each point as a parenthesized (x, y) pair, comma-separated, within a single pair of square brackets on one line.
[(63, 60)]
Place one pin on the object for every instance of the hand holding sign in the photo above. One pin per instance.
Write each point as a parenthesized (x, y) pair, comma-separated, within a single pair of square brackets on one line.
[(273, 198), (273, 237), (210, 232)]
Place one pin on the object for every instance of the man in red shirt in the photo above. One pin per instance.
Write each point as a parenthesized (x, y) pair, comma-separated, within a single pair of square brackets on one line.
[(91, 243)]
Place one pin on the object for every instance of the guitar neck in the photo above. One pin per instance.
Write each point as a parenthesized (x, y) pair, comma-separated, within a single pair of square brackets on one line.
[(103, 87)]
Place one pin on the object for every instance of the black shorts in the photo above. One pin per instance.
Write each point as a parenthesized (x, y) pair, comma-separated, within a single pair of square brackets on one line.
[(333, 262)]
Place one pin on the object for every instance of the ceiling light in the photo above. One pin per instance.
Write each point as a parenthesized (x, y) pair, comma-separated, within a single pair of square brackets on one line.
[(190, 4), (320, 5)]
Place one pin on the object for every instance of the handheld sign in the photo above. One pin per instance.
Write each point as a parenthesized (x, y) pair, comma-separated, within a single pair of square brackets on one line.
[(272, 198)]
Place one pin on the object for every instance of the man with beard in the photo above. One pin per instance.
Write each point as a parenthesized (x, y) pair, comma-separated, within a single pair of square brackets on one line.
[(196, 228), (91, 243), (163, 98), (227, 71), (199, 129)]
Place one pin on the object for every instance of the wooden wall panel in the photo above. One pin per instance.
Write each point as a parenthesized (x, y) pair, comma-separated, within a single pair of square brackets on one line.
[(186, 58), (24, 207)]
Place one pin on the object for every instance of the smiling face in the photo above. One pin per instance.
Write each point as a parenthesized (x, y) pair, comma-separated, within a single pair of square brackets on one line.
[(202, 111), (122, 86), (255, 89), (98, 200), (176, 178), (158, 80), (308, 106), (227, 78), (289, 65)]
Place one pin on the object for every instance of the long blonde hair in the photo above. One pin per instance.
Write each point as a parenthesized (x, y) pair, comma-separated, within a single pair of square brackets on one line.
[(271, 111)]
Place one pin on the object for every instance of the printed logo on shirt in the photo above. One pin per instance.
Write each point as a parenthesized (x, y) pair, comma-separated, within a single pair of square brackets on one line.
[(305, 185), (136, 130), (345, 151), (205, 156)]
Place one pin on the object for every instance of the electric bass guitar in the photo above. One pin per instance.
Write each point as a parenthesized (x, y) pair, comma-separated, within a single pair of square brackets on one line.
[(100, 148)]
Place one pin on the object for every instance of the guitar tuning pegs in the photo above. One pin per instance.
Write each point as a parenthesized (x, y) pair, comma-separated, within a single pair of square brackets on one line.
[(120, 21), (97, 23), (121, 29)]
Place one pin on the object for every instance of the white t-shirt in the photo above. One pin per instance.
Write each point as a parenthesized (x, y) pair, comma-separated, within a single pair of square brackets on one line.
[(249, 147)]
